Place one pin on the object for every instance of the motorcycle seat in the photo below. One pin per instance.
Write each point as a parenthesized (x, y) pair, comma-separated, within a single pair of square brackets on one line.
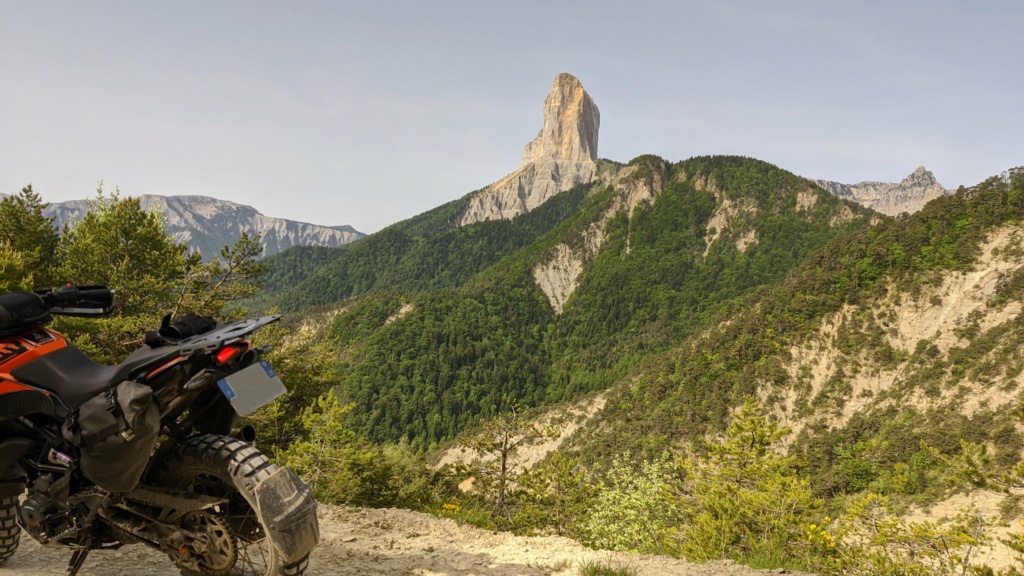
[(75, 378)]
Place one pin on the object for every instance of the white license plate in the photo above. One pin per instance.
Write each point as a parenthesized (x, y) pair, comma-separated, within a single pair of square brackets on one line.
[(252, 387)]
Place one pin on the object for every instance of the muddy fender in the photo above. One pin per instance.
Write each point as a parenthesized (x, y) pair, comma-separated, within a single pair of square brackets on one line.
[(287, 508)]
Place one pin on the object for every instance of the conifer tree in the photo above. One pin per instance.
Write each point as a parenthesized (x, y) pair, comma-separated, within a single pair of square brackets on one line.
[(25, 229), (743, 498), (119, 245), (13, 275), (340, 467), (495, 447)]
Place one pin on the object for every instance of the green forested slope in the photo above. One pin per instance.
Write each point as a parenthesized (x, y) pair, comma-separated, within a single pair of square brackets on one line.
[(653, 284), (458, 353), (293, 266), (693, 387), (425, 252)]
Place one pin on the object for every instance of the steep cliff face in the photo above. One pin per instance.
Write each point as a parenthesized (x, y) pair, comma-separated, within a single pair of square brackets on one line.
[(891, 198), (207, 224), (562, 156), (571, 123)]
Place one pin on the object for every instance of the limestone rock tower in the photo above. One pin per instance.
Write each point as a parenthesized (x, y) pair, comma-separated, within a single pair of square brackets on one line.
[(562, 156)]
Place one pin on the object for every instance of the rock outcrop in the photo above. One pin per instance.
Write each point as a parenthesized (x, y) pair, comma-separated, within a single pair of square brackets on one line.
[(562, 156), (558, 276), (722, 220), (207, 224), (890, 198)]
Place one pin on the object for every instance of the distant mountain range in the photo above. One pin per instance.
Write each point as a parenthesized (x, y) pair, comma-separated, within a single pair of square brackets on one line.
[(207, 224), (564, 155), (891, 198)]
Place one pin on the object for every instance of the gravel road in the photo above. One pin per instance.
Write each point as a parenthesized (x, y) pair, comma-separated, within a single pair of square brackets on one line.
[(392, 542)]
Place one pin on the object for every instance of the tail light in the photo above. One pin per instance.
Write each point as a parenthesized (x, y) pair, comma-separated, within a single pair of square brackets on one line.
[(230, 353)]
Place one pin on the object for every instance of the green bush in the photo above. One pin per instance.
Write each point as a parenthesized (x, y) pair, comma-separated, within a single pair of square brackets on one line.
[(341, 468), (555, 496), (742, 500), (13, 275), (869, 539), (417, 485), (631, 512)]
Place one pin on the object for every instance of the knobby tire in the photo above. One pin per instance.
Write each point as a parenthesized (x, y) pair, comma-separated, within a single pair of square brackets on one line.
[(229, 468)]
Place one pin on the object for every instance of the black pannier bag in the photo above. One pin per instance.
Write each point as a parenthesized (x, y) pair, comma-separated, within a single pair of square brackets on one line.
[(115, 433), (21, 311)]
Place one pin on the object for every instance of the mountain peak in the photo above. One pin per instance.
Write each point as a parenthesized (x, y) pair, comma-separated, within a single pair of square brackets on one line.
[(920, 176), (892, 198), (561, 157), (571, 124)]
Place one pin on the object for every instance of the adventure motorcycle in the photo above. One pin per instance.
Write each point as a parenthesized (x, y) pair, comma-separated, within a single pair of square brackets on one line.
[(144, 452)]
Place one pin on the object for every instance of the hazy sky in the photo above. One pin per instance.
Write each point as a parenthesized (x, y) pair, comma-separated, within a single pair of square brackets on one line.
[(367, 113)]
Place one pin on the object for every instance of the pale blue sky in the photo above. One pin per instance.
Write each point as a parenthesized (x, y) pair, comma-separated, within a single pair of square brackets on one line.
[(367, 113)]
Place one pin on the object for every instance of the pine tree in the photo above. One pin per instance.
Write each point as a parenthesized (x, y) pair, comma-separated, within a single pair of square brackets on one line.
[(495, 447), (24, 228), (119, 245), (13, 273), (743, 498), (339, 466), (555, 496)]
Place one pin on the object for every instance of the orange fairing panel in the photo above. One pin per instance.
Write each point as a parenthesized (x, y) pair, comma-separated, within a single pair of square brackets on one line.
[(8, 387), (16, 351)]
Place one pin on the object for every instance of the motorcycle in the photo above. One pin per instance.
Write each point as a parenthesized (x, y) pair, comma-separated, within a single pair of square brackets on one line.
[(146, 452)]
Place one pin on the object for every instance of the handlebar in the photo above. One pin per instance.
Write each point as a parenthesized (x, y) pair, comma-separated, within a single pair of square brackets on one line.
[(85, 301)]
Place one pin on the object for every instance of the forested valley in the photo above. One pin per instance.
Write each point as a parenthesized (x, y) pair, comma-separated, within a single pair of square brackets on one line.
[(744, 334)]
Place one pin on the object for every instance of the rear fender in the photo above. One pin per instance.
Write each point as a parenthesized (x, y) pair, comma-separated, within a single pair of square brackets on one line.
[(286, 506)]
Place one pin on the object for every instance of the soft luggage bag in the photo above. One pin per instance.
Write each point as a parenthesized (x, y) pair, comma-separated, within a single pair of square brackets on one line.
[(116, 433)]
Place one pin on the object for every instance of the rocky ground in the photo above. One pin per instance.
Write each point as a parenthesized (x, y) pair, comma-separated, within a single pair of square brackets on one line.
[(394, 542)]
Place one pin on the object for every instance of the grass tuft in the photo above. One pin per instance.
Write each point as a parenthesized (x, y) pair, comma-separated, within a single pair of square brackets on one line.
[(597, 568)]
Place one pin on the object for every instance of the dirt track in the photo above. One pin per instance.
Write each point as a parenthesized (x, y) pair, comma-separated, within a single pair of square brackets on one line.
[(392, 542)]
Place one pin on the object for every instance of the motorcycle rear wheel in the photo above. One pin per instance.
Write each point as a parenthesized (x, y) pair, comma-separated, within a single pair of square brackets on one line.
[(228, 468), (10, 532)]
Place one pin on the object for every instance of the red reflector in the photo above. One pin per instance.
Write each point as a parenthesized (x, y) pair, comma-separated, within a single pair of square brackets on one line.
[(230, 353)]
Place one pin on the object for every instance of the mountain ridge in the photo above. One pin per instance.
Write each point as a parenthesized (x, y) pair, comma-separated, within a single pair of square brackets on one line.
[(642, 270), (906, 331), (891, 198), (207, 224)]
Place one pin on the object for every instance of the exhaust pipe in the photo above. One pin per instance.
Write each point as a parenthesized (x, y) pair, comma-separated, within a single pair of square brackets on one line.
[(246, 434)]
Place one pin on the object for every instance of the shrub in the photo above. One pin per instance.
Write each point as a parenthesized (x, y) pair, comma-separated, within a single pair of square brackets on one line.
[(340, 467), (874, 541), (742, 500), (555, 496), (631, 513), (13, 275), (597, 568)]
